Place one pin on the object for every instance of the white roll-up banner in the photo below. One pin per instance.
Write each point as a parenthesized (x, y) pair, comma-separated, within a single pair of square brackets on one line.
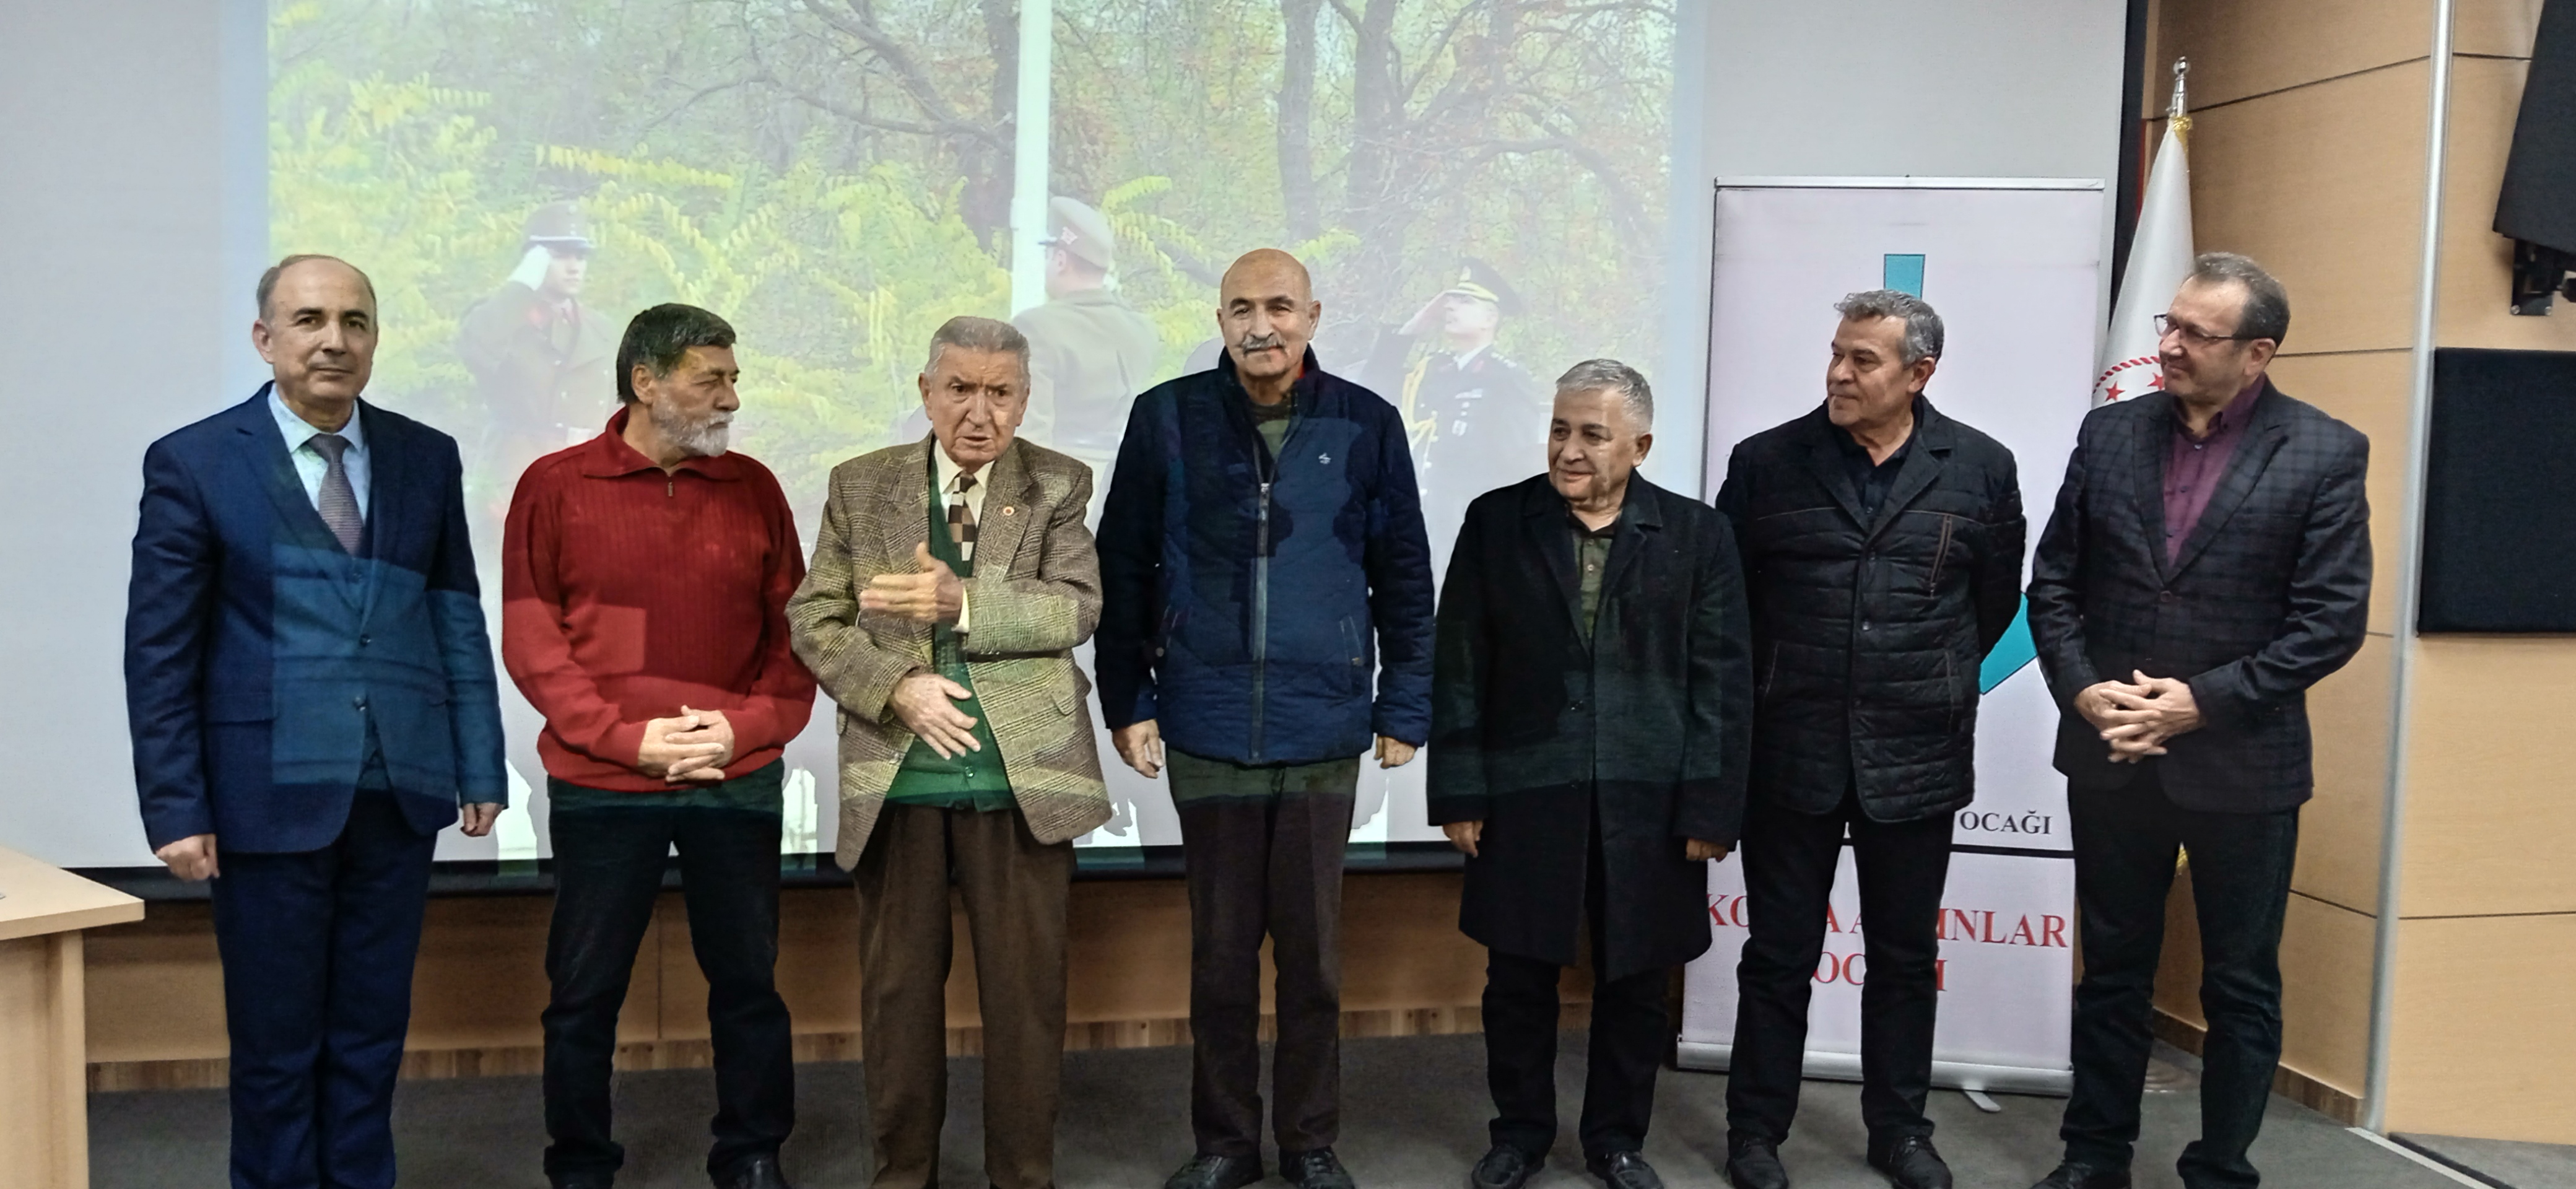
[(2013, 265)]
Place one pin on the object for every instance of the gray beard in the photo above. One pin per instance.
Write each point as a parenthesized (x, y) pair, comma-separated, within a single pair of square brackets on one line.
[(696, 439)]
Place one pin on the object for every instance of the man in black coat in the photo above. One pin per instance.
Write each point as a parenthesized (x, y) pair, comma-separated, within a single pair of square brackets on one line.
[(2208, 561), (1590, 687), (1882, 546)]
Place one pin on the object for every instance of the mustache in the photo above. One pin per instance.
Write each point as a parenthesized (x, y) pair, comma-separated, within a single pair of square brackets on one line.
[(1260, 342)]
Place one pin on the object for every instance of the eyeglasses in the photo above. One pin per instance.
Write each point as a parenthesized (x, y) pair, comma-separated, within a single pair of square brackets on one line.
[(2165, 325)]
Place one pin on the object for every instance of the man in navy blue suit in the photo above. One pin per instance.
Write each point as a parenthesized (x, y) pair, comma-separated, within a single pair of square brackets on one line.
[(308, 681)]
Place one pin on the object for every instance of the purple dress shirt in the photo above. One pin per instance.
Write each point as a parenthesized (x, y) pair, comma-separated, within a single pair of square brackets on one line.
[(2194, 466)]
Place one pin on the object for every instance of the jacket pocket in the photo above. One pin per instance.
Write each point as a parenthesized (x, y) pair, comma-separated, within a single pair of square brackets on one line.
[(1941, 552), (1770, 672), (1356, 672)]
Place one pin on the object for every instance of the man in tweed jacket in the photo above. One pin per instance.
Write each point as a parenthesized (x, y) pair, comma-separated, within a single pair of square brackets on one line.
[(951, 581), (2207, 562)]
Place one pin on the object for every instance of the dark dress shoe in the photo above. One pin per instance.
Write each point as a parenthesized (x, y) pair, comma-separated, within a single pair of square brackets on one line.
[(1504, 1167), (2074, 1175), (1314, 1168), (1755, 1164), (1624, 1170), (1205, 1171), (759, 1172), (1911, 1163)]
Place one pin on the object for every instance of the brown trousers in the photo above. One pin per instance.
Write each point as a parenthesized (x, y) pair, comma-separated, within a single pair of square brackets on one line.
[(1015, 889)]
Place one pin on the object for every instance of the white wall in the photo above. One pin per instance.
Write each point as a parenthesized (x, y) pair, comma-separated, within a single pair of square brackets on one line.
[(1878, 88)]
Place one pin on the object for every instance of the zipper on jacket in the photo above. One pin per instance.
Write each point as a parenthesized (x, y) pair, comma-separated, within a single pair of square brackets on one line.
[(1261, 577), (670, 487)]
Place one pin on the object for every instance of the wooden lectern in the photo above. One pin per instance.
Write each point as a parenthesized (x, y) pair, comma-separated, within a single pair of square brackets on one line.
[(44, 1054)]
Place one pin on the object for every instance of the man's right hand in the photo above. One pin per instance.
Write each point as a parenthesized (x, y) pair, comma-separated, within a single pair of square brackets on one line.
[(1465, 835), (191, 858), (1141, 745), (926, 703), (660, 750), (2100, 708)]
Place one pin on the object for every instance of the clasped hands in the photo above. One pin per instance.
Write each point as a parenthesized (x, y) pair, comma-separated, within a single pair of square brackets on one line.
[(1140, 743), (691, 747), (2137, 716), (1466, 835)]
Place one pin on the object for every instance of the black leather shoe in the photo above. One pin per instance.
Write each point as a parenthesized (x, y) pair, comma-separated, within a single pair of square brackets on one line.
[(1911, 1163), (1314, 1168), (2072, 1175), (1624, 1170), (1755, 1164), (1504, 1167), (1216, 1172), (759, 1172)]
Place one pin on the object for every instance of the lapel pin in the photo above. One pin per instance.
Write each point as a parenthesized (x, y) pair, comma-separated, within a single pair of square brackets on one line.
[(1007, 509)]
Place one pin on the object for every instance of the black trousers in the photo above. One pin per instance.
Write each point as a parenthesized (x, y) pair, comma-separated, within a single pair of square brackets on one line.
[(1630, 1029), (608, 869), (1268, 864), (318, 948), (2125, 843), (1789, 861)]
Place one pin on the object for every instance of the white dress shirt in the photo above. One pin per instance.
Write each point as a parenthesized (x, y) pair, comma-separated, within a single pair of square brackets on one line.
[(310, 465)]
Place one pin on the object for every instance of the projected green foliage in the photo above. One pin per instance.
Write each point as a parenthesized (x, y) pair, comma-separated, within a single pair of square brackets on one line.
[(834, 175)]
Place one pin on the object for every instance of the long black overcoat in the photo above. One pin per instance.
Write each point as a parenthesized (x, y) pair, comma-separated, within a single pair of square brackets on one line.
[(1532, 732)]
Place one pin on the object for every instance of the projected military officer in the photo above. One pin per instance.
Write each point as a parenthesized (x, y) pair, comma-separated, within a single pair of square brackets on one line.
[(645, 578), (1090, 352), (311, 695), (1882, 544), (968, 759), (1472, 411), (541, 358), (1262, 546), (1587, 752)]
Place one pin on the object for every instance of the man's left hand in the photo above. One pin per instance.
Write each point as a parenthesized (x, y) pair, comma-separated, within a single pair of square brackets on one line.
[(1701, 850), (1393, 753), (476, 818), (2138, 723), (933, 594), (713, 727)]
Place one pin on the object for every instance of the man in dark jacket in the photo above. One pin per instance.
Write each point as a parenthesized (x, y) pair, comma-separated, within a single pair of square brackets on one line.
[(2207, 562), (1882, 548), (1261, 555), (1589, 700)]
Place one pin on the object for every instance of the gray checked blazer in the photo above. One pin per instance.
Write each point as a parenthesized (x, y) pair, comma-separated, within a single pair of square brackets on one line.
[(2270, 594)]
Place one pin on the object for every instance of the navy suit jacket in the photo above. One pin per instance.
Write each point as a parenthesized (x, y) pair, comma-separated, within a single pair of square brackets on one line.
[(257, 650)]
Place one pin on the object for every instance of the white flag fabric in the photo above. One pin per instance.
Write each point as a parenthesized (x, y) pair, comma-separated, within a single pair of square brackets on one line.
[(2159, 258)]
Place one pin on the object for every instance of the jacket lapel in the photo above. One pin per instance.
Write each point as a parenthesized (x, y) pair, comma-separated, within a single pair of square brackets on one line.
[(906, 516), (2154, 429), (297, 521), (1923, 462), (2263, 437), (1825, 460), (1005, 523), (388, 471), (1643, 514), (1543, 518)]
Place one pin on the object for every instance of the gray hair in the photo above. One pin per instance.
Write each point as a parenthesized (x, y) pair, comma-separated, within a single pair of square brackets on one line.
[(1617, 379), (2267, 305), (1922, 323), (268, 280), (659, 338), (970, 333)]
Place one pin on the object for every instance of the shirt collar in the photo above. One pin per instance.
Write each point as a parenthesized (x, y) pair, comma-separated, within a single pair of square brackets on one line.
[(608, 456), (946, 469), (2230, 418), (299, 431), (1465, 359)]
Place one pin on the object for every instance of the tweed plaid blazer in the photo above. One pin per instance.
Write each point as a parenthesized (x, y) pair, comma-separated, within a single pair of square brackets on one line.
[(2270, 593), (1035, 595)]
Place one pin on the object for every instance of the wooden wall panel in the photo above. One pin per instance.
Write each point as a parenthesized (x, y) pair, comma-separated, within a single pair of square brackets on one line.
[(2339, 843), (2482, 1044), (2477, 263), (2488, 807), (2240, 49), (2497, 28), (156, 992), (2326, 955), (2369, 391), (2324, 185)]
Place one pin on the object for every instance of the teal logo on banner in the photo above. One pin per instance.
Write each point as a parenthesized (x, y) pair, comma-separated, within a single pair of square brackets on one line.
[(1904, 273)]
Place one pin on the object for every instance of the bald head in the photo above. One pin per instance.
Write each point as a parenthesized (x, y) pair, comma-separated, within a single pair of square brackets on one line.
[(1266, 313)]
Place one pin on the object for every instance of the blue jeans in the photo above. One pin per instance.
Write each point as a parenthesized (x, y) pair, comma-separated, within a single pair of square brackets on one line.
[(2125, 843)]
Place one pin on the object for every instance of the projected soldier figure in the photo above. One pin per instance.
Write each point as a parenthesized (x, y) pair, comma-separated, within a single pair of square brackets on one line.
[(540, 357)]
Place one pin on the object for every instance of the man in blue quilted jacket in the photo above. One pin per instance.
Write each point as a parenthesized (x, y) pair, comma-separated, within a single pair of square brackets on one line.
[(1267, 614)]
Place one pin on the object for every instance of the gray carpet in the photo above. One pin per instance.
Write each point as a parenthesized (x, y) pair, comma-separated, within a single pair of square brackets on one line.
[(2502, 1162), (1414, 1113)]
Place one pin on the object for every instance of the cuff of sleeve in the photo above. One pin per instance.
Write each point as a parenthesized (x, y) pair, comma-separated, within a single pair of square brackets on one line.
[(1467, 808), (754, 728), (622, 745)]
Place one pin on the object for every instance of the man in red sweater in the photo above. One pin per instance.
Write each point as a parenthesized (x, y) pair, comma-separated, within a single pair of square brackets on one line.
[(645, 582)]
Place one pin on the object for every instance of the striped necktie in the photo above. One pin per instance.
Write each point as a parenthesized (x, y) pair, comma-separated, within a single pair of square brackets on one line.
[(339, 501), (961, 517)]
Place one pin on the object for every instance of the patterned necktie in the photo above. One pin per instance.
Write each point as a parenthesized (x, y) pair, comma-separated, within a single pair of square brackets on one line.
[(339, 502), (961, 517)]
